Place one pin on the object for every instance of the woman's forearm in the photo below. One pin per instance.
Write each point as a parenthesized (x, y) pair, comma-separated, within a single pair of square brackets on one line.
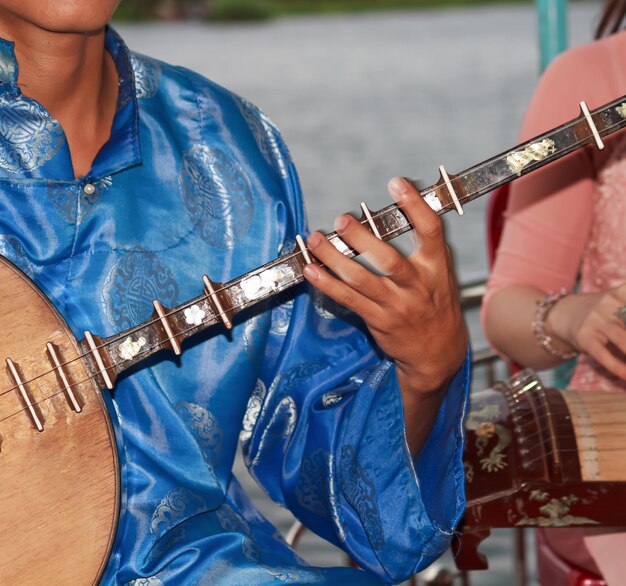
[(509, 326)]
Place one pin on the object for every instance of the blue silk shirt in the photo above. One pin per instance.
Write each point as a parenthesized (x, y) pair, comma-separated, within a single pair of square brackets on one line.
[(195, 180)]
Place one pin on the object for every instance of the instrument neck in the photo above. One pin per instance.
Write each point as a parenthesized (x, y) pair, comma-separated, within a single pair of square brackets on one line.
[(169, 327)]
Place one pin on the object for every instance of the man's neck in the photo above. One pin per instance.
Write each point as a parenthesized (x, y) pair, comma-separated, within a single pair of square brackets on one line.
[(73, 77)]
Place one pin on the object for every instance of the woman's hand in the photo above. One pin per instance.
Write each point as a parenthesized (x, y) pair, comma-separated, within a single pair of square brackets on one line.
[(588, 323), (412, 307)]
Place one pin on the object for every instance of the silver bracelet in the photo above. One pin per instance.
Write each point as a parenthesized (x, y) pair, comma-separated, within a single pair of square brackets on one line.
[(539, 325)]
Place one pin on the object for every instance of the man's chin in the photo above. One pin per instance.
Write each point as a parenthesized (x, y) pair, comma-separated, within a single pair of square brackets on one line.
[(64, 17)]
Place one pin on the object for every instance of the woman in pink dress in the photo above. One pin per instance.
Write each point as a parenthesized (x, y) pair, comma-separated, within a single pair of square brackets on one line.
[(558, 286)]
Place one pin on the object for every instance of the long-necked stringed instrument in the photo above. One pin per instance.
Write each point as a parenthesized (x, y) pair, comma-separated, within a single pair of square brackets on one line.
[(58, 462)]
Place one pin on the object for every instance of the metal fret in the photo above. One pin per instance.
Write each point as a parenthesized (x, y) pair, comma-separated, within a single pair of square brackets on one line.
[(165, 322), (368, 218), (594, 131), (95, 352), (67, 387), (30, 407), (451, 191), (210, 291), (303, 249)]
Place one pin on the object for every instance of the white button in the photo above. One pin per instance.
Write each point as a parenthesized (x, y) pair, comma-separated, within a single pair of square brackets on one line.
[(89, 188)]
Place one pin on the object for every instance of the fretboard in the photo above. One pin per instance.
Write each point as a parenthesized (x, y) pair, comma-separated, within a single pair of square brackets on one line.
[(169, 327)]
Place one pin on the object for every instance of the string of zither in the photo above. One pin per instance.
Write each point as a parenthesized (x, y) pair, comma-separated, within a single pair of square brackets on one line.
[(294, 254), (578, 450), (547, 415), (534, 420), (530, 418)]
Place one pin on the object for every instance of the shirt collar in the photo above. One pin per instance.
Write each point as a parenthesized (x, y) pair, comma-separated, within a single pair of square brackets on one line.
[(122, 149)]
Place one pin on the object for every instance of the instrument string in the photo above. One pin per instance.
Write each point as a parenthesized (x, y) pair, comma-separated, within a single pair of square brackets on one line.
[(581, 450), (558, 423), (540, 445), (532, 418), (541, 418), (544, 415), (289, 256)]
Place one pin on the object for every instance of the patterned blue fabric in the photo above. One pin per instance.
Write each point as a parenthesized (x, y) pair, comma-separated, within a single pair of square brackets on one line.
[(196, 180)]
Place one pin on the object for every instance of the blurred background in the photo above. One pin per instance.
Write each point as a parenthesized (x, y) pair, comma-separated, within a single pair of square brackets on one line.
[(364, 90), (240, 10)]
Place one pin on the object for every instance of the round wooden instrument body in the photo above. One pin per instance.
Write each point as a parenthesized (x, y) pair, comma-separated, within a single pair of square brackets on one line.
[(60, 486)]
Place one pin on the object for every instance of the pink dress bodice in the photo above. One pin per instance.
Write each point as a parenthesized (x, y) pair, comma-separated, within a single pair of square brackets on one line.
[(604, 257)]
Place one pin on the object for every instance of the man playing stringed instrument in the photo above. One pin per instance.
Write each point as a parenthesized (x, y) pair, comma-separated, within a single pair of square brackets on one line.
[(124, 180)]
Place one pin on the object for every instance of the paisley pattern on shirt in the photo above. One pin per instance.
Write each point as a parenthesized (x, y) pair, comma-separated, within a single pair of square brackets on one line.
[(281, 314), (62, 196), (266, 135), (173, 538), (29, 137), (290, 568), (134, 282), (255, 402), (295, 376), (231, 521), (218, 572), (11, 248), (147, 76), (284, 418), (125, 91), (65, 196), (290, 575), (251, 550), (360, 492), (178, 505), (254, 333), (217, 195), (8, 64), (151, 581), (205, 428), (312, 483)]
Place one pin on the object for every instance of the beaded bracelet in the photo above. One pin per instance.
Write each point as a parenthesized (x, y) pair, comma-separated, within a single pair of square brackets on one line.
[(539, 325)]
